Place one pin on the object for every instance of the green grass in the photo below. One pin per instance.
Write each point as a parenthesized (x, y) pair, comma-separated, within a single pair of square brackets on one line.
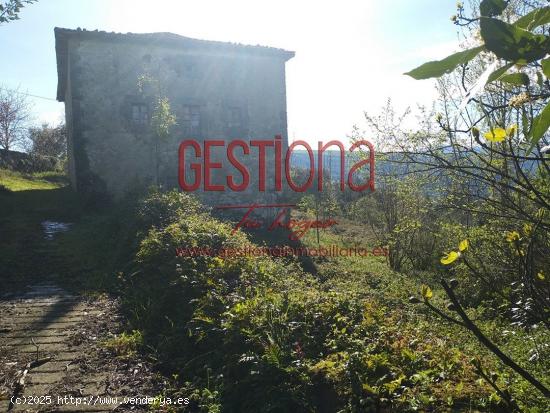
[(125, 344), (84, 258), (15, 181), (26, 200)]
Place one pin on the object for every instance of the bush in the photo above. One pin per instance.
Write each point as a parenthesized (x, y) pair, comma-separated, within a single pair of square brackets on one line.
[(159, 208), (239, 325), (191, 308), (402, 217)]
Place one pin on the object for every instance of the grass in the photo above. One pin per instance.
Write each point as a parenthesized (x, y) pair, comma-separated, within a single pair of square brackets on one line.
[(84, 258), (125, 344), (15, 181), (26, 200)]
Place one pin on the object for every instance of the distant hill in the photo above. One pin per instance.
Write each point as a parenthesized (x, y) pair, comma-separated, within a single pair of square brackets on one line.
[(331, 161)]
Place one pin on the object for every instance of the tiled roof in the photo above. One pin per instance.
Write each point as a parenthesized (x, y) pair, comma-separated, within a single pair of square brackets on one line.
[(162, 38)]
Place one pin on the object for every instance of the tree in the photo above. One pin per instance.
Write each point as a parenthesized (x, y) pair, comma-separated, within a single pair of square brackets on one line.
[(9, 9), (14, 114), (495, 171), (162, 121), (48, 141), (162, 118)]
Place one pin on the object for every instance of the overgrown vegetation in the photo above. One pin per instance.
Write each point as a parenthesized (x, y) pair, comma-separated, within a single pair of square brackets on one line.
[(343, 340), (498, 176), (455, 318)]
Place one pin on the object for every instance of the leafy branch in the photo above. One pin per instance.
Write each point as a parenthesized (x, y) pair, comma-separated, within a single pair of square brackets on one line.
[(515, 43), (471, 326), (10, 9)]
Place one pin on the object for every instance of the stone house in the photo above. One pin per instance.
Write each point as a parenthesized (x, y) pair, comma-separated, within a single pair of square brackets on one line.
[(216, 90)]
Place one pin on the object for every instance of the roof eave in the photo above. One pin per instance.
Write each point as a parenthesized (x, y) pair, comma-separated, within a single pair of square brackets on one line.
[(63, 35)]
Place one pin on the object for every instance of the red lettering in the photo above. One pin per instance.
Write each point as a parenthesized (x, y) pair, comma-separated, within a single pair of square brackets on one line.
[(320, 163), (211, 165), (261, 161), (278, 161), (194, 166), (304, 187), (370, 183), (241, 168)]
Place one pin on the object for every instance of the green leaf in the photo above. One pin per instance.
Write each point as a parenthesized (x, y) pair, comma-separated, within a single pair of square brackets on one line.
[(540, 125), (539, 79), (499, 72), (516, 79), (534, 19), (512, 43), (439, 67), (546, 67), (492, 7)]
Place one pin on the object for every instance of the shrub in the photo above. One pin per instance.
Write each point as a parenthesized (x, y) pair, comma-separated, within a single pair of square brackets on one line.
[(239, 325), (194, 309), (159, 208)]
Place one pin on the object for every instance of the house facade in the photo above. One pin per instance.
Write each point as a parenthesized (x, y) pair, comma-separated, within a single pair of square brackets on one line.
[(111, 83)]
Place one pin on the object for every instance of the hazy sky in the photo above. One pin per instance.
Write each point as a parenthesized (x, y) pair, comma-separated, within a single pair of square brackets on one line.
[(350, 55)]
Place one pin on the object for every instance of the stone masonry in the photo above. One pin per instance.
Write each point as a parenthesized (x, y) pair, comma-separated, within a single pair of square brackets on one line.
[(216, 90)]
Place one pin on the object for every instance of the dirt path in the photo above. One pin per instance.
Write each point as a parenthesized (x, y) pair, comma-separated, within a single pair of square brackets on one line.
[(52, 344)]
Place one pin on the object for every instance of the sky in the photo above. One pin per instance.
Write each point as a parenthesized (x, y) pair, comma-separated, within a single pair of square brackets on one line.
[(350, 55)]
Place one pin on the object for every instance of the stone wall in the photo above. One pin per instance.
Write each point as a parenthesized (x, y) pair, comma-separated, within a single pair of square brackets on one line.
[(110, 150)]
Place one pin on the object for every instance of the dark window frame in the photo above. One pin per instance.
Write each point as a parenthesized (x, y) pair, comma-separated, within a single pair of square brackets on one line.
[(140, 114)]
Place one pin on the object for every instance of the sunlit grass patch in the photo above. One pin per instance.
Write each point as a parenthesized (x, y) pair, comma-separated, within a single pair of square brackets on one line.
[(15, 181), (125, 344)]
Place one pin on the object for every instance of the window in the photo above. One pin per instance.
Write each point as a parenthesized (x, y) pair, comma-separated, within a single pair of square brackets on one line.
[(140, 114), (191, 119), (184, 67)]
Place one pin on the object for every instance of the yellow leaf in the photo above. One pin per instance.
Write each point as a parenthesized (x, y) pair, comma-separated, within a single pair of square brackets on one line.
[(540, 275), (511, 131), (527, 229), (495, 135), (512, 236), (450, 258), (463, 246), (426, 292)]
